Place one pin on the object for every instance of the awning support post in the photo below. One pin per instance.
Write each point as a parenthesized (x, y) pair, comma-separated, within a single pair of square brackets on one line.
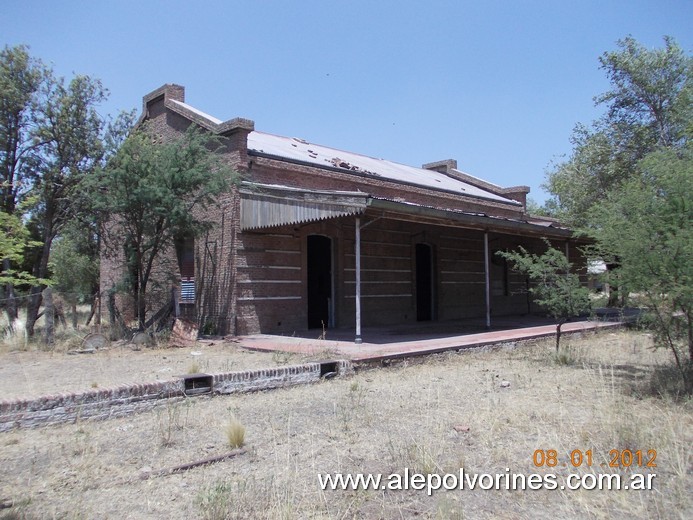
[(487, 281), (358, 281)]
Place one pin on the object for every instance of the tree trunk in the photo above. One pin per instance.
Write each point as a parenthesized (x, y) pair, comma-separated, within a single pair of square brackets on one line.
[(97, 305), (689, 324), (614, 292), (11, 305), (32, 311), (91, 313), (74, 314), (141, 309)]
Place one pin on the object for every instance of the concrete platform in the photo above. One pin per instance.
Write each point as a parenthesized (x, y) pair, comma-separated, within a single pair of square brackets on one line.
[(415, 340)]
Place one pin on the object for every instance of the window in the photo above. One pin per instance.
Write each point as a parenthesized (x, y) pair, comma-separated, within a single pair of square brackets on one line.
[(185, 250)]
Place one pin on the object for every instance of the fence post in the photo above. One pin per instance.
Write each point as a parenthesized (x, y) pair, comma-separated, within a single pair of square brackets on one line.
[(49, 315), (98, 312)]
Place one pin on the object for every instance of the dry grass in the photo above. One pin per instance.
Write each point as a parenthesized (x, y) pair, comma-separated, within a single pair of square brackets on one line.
[(235, 433), (381, 420), (28, 369), (194, 368)]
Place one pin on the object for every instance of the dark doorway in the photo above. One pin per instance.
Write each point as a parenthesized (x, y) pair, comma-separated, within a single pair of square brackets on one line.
[(424, 282), (319, 281)]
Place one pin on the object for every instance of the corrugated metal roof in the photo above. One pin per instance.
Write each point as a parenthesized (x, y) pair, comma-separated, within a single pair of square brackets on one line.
[(264, 206), (323, 156)]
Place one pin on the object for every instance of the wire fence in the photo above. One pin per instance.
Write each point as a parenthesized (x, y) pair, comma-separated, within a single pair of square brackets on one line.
[(87, 297)]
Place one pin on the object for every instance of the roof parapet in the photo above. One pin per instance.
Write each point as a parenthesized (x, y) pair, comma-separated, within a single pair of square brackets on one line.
[(237, 123), (441, 166), (164, 92), (173, 97), (449, 167)]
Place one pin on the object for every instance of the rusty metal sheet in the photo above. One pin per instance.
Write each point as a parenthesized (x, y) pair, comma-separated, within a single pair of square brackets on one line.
[(270, 206)]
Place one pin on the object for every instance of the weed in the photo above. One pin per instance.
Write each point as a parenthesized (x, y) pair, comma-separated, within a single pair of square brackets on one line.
[(449, 509), (161, 338), (568, 356), (281, 358), (667, 381), (209, 328), (246, 498), (323, 335), (169, 421), (350, 407), (418, 456), (423, 458), (16, 337), (213, 501)]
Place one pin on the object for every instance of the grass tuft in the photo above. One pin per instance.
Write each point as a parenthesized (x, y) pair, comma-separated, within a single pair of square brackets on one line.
[(235, 433)]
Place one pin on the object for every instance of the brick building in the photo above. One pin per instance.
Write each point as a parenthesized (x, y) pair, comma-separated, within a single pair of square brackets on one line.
[(315, 236)]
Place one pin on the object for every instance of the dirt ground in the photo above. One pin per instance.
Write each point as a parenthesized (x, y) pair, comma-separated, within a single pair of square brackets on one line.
[(435, 415)]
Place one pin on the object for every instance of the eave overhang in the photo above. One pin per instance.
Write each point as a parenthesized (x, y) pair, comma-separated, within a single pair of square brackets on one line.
[(453, 218), (267, 206)]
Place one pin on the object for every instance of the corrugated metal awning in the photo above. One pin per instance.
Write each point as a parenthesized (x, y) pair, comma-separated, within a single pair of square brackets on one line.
[(264, 206)]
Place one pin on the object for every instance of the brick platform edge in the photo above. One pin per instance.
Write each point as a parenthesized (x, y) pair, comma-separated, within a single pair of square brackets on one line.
[(127, 399)]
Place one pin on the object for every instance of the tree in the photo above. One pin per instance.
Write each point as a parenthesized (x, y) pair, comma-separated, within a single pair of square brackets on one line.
[(651, 94), (20, 81), (74, 269), (628, 185), (50, 139), (648, 224), (649, 106), (14, 240), (71, 132), (152, 194), (555, 287)]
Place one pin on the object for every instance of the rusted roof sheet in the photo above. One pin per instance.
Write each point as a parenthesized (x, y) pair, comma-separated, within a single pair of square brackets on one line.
[(265, 206)]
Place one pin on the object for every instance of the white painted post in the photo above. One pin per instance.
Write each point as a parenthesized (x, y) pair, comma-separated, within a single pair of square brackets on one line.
[(487, 275), (358, 281)]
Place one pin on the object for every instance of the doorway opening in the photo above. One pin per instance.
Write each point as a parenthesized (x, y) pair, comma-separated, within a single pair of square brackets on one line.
[(424, 282), (319, 273)]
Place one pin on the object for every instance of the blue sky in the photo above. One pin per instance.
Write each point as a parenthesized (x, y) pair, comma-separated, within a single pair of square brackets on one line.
[(496, 85)]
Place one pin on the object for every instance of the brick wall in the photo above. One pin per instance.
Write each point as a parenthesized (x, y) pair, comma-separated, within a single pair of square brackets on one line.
[(272, 274)]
